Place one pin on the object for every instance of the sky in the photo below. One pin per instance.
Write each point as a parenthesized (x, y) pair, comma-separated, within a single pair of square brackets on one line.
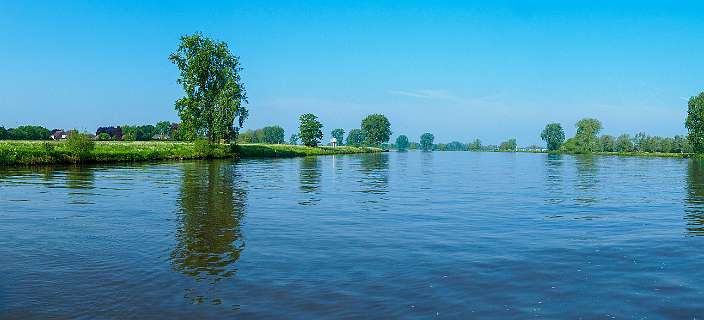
[(461, 70)]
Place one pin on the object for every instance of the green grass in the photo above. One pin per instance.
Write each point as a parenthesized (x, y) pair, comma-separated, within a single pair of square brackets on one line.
[(283, 150), (52, 152)]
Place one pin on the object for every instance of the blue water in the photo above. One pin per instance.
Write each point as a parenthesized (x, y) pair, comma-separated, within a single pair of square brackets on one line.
[(393, 235)]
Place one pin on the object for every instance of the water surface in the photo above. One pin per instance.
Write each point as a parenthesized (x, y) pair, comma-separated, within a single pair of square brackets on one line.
[(394, 235)]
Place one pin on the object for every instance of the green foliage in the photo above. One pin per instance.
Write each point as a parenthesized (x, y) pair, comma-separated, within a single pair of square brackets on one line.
[(508, 145), (80, 145), (204, 148), (355, 138), (214, 92), (623, 143), (272, 135), (104, 136), (339, 135), (28, 133), (293, 140), (607, 143), (310, 130), (402, 142), (426, 141), (475, 145), (586, 138), (455, 146), (138, 133), (553, 135), (163, 129), (277, 150), (376, 129), (695, 122), (4, 135)]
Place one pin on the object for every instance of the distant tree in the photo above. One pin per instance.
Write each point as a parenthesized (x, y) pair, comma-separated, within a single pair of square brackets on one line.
[(426, 141), (695, 122), (339, 135), (310, 130), (455, 146), (607, 143), (3, 134), (508, 145), (376, 129), (163, 129), (402, 142), (293, 140), (475, 145), (246, 137), (28, 133), (214, 93), (272, 135), (586, 139), (355, 138), (623, 143), (104, 136), (553, 135)]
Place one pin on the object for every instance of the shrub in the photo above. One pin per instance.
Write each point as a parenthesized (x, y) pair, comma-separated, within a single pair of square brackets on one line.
[(203, 148), (80, 145)]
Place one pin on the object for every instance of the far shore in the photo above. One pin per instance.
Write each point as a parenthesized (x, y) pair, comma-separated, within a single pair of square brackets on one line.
[(14, 153)]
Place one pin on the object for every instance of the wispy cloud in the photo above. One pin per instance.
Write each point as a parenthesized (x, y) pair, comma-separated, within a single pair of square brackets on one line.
[(449, 97), (684, 98), (423, 94)]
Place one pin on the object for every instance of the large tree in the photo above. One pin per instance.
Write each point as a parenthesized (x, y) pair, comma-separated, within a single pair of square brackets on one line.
[(339, 135), (426, 141), (355, 138), (272, 135), (402, 142), (214, 92), (508, 145), (553, 135), (376, 129), (695, 122), (310, 130), (586, 139)]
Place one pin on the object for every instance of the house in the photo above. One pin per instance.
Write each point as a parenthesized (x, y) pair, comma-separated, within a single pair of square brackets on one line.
[(333, 142), (58, 134), (114, 132)]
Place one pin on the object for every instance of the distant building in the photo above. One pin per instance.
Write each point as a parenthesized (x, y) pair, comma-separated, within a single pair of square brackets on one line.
[(114, 132), (333, 142), (58, 134)]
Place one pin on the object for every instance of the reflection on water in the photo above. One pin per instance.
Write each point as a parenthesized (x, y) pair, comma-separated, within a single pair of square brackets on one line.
[(694, 212), (309, 176), (211, 206), (375, 169), (553, 178), (587, 178)]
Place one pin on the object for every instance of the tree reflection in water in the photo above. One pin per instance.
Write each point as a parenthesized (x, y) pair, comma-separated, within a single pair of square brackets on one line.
[(694, 210), (553, 178), (587, 178), (212, 205), (375, 170), (309, 175)]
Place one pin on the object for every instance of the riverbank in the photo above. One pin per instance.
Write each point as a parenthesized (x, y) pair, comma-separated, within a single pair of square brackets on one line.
[(53, 152)]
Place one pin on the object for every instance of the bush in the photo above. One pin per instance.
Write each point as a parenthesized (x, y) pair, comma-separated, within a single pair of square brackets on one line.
[(80, 145), (203, 148)]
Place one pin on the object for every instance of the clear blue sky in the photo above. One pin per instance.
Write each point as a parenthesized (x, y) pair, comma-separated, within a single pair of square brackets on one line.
[(461, 70)]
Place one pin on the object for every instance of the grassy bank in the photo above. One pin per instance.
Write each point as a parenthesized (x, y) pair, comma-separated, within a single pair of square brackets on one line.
[(52, 152), (283, 150)]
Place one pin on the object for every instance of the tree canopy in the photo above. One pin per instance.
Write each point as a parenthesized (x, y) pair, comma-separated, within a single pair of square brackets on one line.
[(426, 141), (508, 145), (695, 122), (310, 130), (214, 92), (402, 142), (355, 138), (586, 139), (339, 135), (376, 129), (553, 135)]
